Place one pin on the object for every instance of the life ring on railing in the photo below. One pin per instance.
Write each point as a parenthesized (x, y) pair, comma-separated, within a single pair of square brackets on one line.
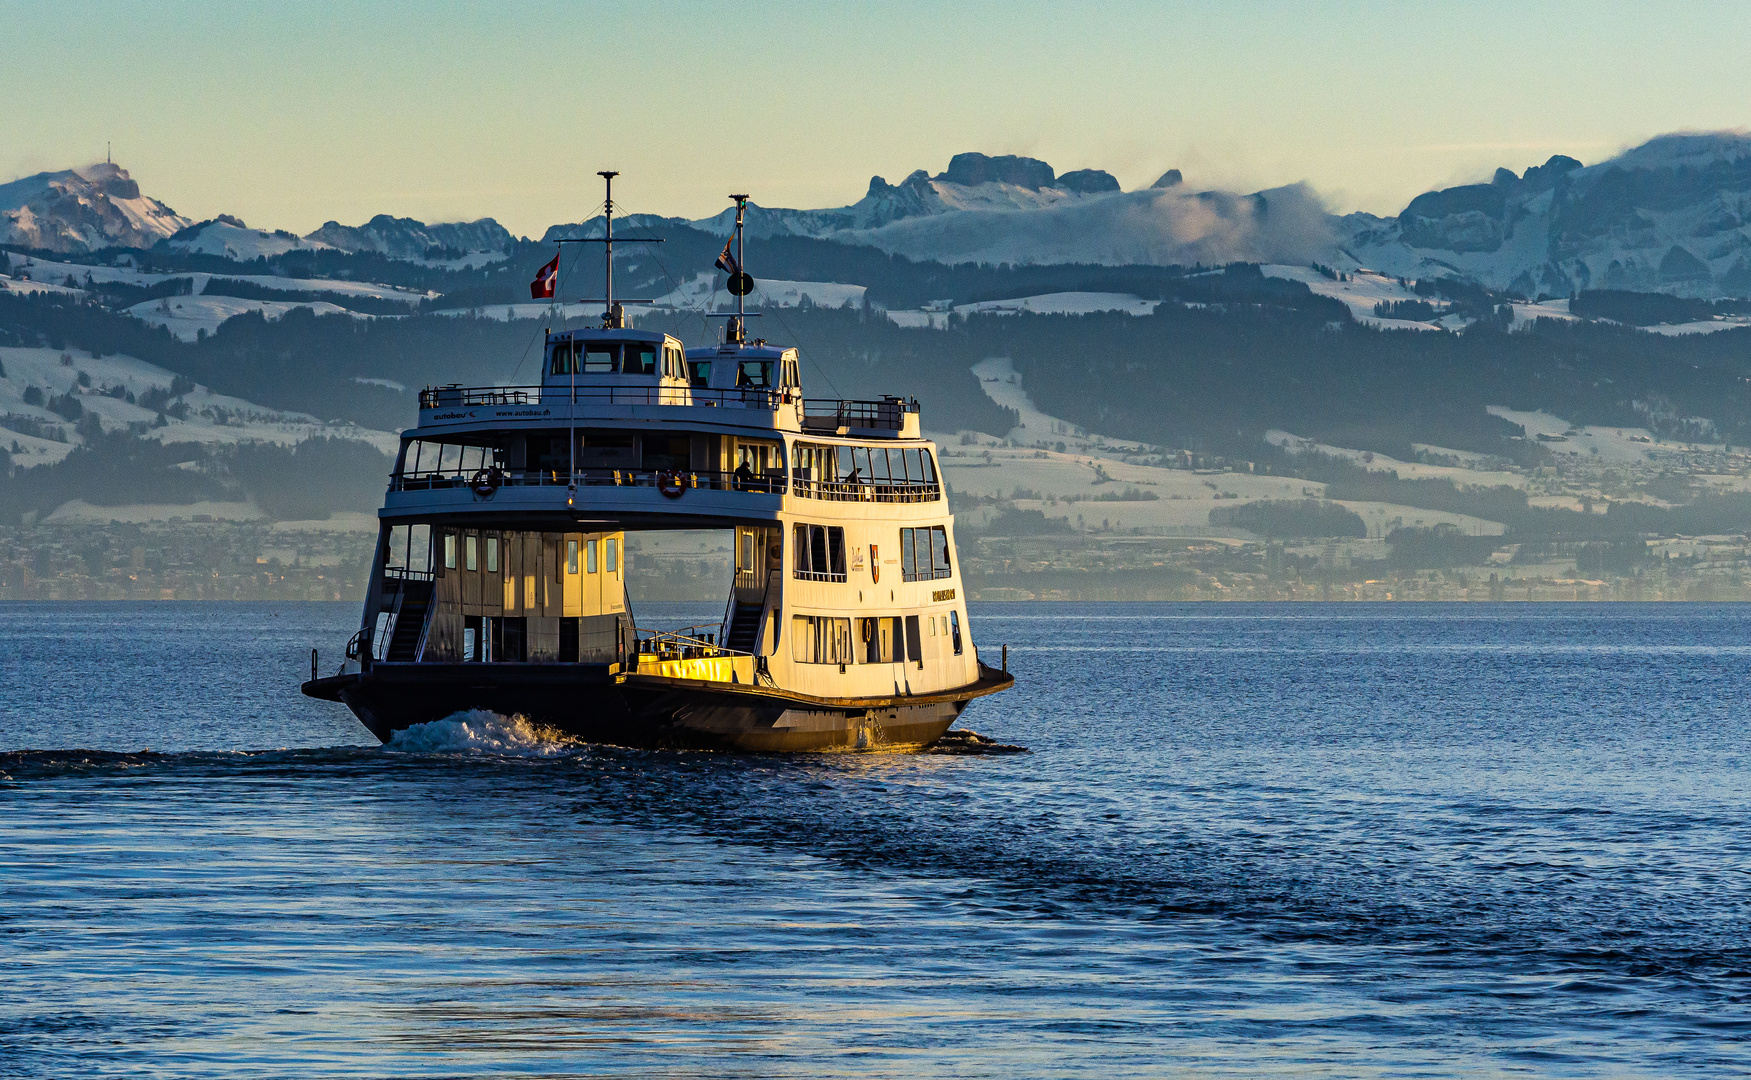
[(670, 484), (486, 481)]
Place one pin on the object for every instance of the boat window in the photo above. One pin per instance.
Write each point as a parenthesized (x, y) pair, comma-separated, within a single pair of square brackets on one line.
[(639, 359), (571, 556), (914, 641), (589, 556), (929, 466), (924, 553), (563, 359), (700, 371), (878, 466), (599, 358), (492, 554), (819, 552), (954, 630), (471, 546), (449, 551), (754, 374), (820, 640), (611, 555)]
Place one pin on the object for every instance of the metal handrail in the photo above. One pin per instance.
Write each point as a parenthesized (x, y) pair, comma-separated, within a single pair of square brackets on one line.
[(772, 483), (690, 646), (464, 397), (867, 490), (817, 413)]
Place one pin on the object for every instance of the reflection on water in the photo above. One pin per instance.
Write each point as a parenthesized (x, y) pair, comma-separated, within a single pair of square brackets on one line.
[(1347, 842)]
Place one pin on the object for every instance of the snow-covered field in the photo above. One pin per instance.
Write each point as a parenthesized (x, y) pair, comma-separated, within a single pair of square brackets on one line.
[(1062, 303), (1364, 289), (1605, 445), (187, 316), (1466, 474)]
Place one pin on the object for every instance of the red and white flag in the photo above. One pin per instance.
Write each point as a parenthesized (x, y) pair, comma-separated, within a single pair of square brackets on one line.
[(545, 278)]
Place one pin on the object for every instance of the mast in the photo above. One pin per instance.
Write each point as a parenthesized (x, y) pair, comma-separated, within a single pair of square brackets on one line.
[(610, 318), (736, 332)]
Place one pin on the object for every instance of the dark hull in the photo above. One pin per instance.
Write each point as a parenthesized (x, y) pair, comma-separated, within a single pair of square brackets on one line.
[(594, 703)]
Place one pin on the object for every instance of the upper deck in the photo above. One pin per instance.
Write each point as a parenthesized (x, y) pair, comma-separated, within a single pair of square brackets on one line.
[(629, 427), (593, 376)]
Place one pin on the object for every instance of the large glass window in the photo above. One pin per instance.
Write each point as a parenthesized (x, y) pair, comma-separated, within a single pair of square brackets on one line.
[(818, 552), (924, 553), (639, 359)]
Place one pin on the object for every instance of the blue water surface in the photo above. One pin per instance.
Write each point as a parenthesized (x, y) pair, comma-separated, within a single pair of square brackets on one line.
[(1345, 840)]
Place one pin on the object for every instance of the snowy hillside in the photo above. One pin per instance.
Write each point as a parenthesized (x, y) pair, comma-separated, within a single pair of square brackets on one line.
[(81, 210), (1672, 215), (45, 396)]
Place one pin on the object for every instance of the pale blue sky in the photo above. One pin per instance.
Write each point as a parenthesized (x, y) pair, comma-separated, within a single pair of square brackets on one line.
[(289, 114)]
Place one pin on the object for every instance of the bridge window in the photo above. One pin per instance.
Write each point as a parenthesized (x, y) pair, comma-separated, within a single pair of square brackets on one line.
[(700, 372), (924, 553), (600, 358), (820, 640), (754, 374), (639, 359), (819, 552)]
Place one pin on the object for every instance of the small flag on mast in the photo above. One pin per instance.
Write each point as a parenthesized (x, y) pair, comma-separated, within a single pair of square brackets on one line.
[(545, 278), (727, 262)]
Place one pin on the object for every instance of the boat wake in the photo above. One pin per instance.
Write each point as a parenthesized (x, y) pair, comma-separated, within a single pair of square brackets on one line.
[(963, 741), (477, 731)]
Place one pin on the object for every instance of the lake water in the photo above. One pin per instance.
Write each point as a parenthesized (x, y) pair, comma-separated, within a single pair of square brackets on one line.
[(1248, 840)]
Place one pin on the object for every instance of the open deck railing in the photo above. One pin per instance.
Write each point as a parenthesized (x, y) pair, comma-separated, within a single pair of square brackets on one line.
[(872, 489), (443, 397), (830, 414), (688, 479), (683, 644), (818, 414)]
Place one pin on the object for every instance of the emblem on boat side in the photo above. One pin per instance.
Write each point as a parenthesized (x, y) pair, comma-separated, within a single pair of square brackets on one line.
[(875, 565)]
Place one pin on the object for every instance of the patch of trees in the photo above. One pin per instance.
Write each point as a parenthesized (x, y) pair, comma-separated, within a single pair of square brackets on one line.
[(1292, 518), (1437, 548), (1649, 309), (1412, 310)]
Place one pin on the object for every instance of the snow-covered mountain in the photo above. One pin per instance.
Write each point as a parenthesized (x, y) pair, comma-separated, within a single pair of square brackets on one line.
[(405, 238), (1672, 215), (83, 209)]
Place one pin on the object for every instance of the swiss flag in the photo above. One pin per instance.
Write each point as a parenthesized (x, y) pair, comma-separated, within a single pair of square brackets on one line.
[(542, 287)]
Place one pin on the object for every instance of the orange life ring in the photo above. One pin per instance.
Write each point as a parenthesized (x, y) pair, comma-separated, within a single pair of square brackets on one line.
[(670, 484)]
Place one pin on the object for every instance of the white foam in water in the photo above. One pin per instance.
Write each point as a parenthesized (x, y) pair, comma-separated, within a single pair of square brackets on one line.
[(480, 731)]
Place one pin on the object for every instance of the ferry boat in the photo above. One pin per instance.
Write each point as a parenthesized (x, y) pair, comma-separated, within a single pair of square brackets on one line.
[(499, 580)]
